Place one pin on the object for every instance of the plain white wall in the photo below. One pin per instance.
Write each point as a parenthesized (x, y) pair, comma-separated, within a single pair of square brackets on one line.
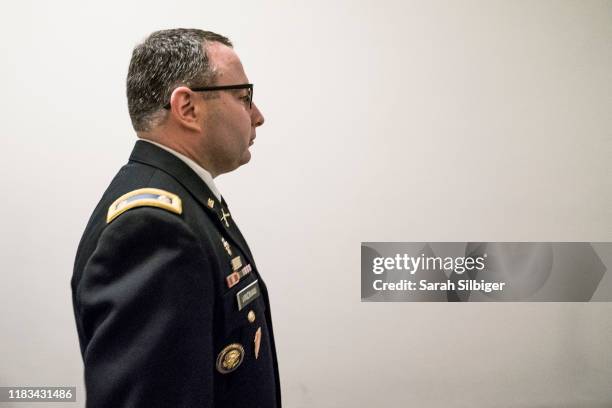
[(385, 121)]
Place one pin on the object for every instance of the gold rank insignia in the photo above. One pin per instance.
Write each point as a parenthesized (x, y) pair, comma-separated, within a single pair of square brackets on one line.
[(227, 247), (230, 358), (257, 342), (211, 203), (151, 197)]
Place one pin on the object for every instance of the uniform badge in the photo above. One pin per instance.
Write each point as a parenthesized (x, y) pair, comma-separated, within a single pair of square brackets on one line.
[(227, 247), (257, 342), (234, 277), (211, 203), (236, 263), (224, 217), (251, 316), (230, 358), (248, 294)]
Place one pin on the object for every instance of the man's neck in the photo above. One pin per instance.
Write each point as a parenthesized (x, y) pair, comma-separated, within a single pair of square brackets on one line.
[(204, 174), (178, 147)]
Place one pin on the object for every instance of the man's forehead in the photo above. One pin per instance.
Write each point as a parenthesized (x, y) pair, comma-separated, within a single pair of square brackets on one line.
[(225, 60)]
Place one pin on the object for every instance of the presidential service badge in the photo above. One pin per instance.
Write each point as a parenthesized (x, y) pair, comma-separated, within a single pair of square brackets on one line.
[(230, 358)]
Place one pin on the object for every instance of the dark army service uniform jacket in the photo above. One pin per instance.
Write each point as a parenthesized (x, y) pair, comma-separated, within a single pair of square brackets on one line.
[(170, 308)]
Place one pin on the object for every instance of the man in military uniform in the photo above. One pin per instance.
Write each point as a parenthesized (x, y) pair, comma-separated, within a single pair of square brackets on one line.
[(171, 310)]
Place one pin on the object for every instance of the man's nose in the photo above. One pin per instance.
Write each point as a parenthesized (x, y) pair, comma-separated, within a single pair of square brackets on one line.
[(256, 116)]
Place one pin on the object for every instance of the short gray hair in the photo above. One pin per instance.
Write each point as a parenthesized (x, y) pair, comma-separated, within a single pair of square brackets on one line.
[(165, 60)]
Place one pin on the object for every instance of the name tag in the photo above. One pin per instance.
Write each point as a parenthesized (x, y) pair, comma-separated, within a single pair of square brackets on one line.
[(248, 294)]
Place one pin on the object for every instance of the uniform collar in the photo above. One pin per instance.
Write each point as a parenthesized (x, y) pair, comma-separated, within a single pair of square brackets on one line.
[(158, 157), (199, 170)]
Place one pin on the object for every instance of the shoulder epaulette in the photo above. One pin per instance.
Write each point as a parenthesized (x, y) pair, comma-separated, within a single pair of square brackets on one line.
[(151, 197)]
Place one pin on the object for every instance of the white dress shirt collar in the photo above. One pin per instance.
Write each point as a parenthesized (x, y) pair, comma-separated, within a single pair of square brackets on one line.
[(200, 171)]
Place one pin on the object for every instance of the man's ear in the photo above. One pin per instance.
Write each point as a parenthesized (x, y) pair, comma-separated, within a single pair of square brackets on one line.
[(184, 109)]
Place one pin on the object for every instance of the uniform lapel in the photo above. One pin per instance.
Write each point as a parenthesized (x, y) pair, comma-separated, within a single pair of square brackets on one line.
[(149, 154), (234, 227)]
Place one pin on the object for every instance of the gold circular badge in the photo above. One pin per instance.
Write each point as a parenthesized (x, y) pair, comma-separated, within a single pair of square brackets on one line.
[(251, 316), (230, 358)]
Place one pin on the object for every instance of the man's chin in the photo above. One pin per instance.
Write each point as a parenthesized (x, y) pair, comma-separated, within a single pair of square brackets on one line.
[(246, 157)]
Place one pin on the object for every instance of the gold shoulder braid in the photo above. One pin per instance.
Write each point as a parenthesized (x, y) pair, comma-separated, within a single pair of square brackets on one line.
[(151, 197)]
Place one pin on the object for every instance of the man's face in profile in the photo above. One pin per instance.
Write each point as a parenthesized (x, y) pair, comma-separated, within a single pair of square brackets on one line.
[(230, 119)]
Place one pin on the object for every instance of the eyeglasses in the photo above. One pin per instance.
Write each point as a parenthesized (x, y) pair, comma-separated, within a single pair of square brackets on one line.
[(224, 88)]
